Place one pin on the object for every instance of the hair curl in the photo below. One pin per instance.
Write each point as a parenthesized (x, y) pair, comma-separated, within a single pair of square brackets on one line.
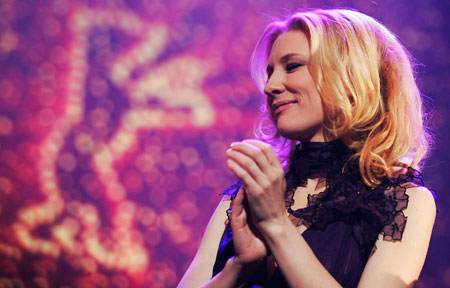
[(367, 84)]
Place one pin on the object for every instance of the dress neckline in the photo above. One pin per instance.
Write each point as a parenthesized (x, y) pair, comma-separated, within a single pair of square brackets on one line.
[(312, 158)]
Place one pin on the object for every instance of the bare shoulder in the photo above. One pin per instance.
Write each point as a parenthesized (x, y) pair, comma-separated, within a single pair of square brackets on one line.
[(421, 214), (401, 261), (421, 202)]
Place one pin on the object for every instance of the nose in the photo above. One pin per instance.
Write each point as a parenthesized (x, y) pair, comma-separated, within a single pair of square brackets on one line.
[(274, 84)]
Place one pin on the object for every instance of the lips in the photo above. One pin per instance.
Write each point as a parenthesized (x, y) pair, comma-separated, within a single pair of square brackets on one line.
[(282, 105)]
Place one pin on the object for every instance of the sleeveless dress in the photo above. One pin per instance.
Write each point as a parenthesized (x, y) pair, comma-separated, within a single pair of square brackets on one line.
[(343, 222)]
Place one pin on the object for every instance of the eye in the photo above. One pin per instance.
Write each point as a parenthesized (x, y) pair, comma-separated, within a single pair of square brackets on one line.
[(292, 66), (269, 71)]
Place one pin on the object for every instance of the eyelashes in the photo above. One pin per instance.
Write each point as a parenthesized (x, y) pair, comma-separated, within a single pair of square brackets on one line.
[(292, 66), (269, 71)]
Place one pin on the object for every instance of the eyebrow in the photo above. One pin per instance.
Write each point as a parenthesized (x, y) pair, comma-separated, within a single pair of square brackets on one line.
[(287, 57)]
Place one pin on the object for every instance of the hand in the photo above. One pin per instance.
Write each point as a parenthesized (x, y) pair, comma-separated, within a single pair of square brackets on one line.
[(260, 171), (249, 246)]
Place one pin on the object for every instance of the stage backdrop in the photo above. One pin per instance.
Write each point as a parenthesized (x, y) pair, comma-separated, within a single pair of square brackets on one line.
[(114, 121)]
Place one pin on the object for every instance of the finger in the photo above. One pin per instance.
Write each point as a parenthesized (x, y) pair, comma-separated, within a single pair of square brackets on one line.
[(253, 152), (249, 165), (237, 203), (267, 150), (239, 212), (247, 180)]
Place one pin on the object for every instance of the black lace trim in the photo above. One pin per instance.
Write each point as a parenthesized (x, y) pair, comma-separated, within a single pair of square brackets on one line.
[(371, 211)]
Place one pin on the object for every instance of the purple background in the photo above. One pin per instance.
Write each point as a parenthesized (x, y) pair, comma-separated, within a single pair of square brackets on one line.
[(114, 121)]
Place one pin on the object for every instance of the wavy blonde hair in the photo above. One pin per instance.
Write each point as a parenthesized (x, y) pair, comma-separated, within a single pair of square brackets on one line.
[(366, 80)]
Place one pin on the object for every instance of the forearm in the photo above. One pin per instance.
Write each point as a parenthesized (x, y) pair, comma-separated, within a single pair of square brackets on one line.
[(297, 261), (233, 275)]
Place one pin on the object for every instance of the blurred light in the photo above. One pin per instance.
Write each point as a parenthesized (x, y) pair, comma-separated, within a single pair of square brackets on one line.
[(158, 196), (88, 265), (153, 178), (65, 233), (99, 117), (8, 91), (6, 126), (5, 185), (98, 87), (84, 143), (446, 276), (193, 181), (152, 236), (201, 33), (223, 9), (10, 251), (217, 149), (46, 117), (51, 27), (133, 181), (214, 178), (164, 276), (115, 192), (9, 157), (171, 182), (232, 116), (88, 215), (147, 50), (35, 245), (146, 216), (8, 41), (171, 161), (67, 162), (120, 281), (144, 162), (189, 210), (60, 7), (74, 208)]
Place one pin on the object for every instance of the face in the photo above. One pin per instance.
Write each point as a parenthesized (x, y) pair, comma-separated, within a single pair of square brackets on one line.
[(292, 95)]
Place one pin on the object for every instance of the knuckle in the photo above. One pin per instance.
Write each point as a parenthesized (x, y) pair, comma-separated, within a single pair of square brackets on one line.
[(265, 186), (267, 148), (246, 162), (253, 152), (277, 177), (257, 193)]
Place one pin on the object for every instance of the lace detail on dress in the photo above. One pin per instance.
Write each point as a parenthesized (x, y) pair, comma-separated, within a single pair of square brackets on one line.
[(232, 192), (397, 201), (371, 211)]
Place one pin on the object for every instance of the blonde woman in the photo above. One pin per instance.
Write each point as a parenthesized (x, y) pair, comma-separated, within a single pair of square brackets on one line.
[(330, 196)]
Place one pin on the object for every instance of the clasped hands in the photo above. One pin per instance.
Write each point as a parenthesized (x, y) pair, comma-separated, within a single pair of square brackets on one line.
[(259, 205)]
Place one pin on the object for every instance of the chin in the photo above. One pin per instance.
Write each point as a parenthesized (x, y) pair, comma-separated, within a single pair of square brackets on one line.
[(314, 134)]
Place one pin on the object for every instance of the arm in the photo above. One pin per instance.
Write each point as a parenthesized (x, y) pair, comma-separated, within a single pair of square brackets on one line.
[(298, 263), (394, 264), (260, 171), (200, 269), (398, 263), (249, 249)]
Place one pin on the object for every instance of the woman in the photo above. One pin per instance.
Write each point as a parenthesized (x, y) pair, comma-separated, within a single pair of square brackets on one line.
[(347, 127)]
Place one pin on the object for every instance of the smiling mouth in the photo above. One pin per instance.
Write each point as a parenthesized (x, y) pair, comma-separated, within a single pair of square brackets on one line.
[(283, 105)]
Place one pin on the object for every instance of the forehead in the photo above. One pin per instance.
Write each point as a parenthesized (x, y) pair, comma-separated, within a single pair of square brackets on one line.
[(288, 43)]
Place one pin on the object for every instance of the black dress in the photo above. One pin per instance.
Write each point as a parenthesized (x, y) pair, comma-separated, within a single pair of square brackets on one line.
[(343, 221)]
